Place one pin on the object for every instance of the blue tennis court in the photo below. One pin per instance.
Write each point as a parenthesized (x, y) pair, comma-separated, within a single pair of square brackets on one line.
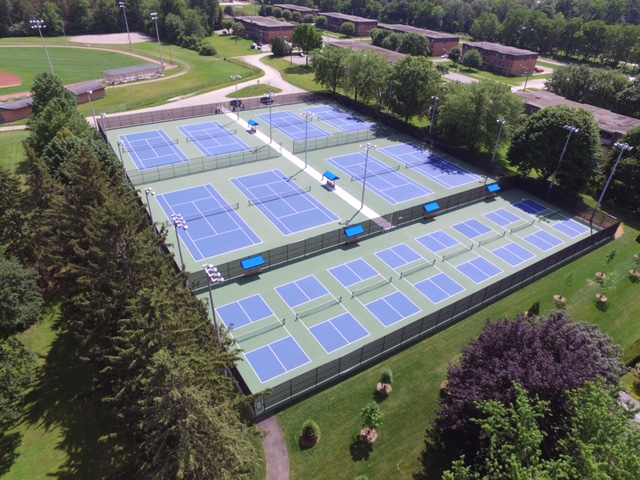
[(289, 207), (479, 269), (472, 228), (214, 226), (543, 240), (213, 139), (571, 228), (302, 291), (338, 332), (439, 287), (383, 180), (353, 272), (276, 359), (244, 312), (502, 217), (338, 118), (152, 149), (530, 207), (398, 256), (392, 308), (293, 126), (430, 165), (438, 241), (513, 254)]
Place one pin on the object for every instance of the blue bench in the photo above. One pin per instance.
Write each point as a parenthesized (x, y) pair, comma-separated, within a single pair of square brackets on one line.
[(331, 178), (493, 190), (430, 209), (252, 265), (353, 233)]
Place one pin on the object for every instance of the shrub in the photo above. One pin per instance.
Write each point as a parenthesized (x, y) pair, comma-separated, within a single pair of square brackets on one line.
[(309, 19), (371, 416), (280, 48), (207, 50), (348, 29), (310, 431), (534, 310), (386, 376), (286, 14), (296, 17), (321, 22)]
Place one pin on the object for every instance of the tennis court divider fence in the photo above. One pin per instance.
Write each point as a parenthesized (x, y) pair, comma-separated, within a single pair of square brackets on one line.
[(492, 239), (319, 308)]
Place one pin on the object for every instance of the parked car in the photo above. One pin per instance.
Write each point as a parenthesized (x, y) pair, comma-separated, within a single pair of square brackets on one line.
[(538, 70), (234, 104), (267, 100)]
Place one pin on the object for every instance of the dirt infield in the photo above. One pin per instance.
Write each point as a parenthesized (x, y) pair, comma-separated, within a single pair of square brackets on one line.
[(9, 80)]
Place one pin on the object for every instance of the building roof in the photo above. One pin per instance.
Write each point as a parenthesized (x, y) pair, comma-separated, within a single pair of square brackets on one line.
[(396, 27), (390, 55), (265, 21), (299, 8), (81, 88), (609, 121), (17, 104), (496, 47), (349, 18)]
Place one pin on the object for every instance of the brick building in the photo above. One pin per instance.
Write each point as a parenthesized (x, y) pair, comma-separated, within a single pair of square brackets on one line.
[(503, 60), (440, 43), (265, 29), (390, 55), (363, 25), (16, 110), (304, 11), (80, 91)]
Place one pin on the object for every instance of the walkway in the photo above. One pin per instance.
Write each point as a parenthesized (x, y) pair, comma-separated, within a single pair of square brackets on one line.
[(275, 449)]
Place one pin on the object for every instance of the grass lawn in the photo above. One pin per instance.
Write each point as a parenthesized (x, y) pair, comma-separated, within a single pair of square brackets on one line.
[(232, 46), (11, 151), (254, 91), (300, 76), (419, 371)]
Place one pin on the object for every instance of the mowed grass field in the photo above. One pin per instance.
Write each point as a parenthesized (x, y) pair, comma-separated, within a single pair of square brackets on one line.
[(420, 370)]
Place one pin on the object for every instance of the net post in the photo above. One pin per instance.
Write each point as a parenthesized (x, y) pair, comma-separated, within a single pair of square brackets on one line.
[(340, 299), (353, 294), (390, 278), (401, 275)]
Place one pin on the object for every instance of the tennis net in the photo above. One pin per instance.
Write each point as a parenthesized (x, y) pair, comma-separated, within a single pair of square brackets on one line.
[(257, 331), (319, 308), (492, 239), (370, 288), (377, 174), (417, 268), (517, 228), (148, 146), (457, 252), (204, 135), (213, 211), (271, 198)]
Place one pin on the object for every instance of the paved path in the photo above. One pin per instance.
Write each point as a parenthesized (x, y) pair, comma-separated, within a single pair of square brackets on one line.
[(627, 399), (275, 449)]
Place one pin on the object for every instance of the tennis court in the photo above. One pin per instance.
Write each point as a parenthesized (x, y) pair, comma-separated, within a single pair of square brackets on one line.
[(277, 358), (473, 228), (530, 206), (381, 179), (439, 288), (479, 269), (502, 217), (289, 207), (513, 254), (571, 228), (338, 119), (214, 226), (293, 126), (353, 272), (338, 332), (213, 139), (398, 256), (151, 149), (430, 165), (543, 240), (302, 291)]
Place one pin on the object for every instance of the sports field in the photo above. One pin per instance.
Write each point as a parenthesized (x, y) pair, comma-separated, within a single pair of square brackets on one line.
[(235, 181)]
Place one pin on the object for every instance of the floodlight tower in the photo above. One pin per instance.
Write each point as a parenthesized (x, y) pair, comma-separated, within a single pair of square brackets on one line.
[(39, 24)]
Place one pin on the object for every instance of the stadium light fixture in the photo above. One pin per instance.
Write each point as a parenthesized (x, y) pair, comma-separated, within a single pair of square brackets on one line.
[(271, 97), (433, 113), (126, 23), (154, 17), (367, 147), (236, 78), (149, 191), (39, 24), (180, 222), (623, 148), (571, 129), (214, 277), (306, 116)]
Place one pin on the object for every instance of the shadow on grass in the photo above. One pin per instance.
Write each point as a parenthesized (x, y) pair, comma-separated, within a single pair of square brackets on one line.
[(9, 443), (359, 449), (379, 397), (61, 399), (432, 458)]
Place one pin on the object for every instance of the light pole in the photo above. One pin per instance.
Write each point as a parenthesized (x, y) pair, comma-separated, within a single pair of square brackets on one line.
[(39, 24), (120, 151), (179, 222), (236, 78), (389, 96), (154, 17), (495, 150), (623, 148), (571, 130), (306, 116), (103, 116), (213, 277), (271, 96), (93, 114), (149, 191), (364, 178), (124, 10), (433, 113), (526, 71)]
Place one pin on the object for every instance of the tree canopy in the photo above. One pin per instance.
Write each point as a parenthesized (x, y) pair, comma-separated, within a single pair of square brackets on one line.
[(415, 81), (307, 37)]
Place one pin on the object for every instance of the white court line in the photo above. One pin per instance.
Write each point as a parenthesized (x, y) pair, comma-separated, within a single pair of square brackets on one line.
[(312, 172)]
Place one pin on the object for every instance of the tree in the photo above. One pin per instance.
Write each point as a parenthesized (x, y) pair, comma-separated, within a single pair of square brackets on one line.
[(21, 303), (468, 114), (329, 66), (371, 416), (625, 189), (321, 21), (307, 37), (455, 54), (238, 29), (310, 19), (17, 367), (414, 44), (367, 73), (415, 80), (486, 27), (539, 142), (547, 356), (45, 88), (472, 59), (280, 48), (348, 29)]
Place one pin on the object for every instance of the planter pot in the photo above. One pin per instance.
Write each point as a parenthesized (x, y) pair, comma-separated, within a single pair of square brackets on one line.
[(384, 388), (560, 298), (601, 297), (368, 436), (601, 275)]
